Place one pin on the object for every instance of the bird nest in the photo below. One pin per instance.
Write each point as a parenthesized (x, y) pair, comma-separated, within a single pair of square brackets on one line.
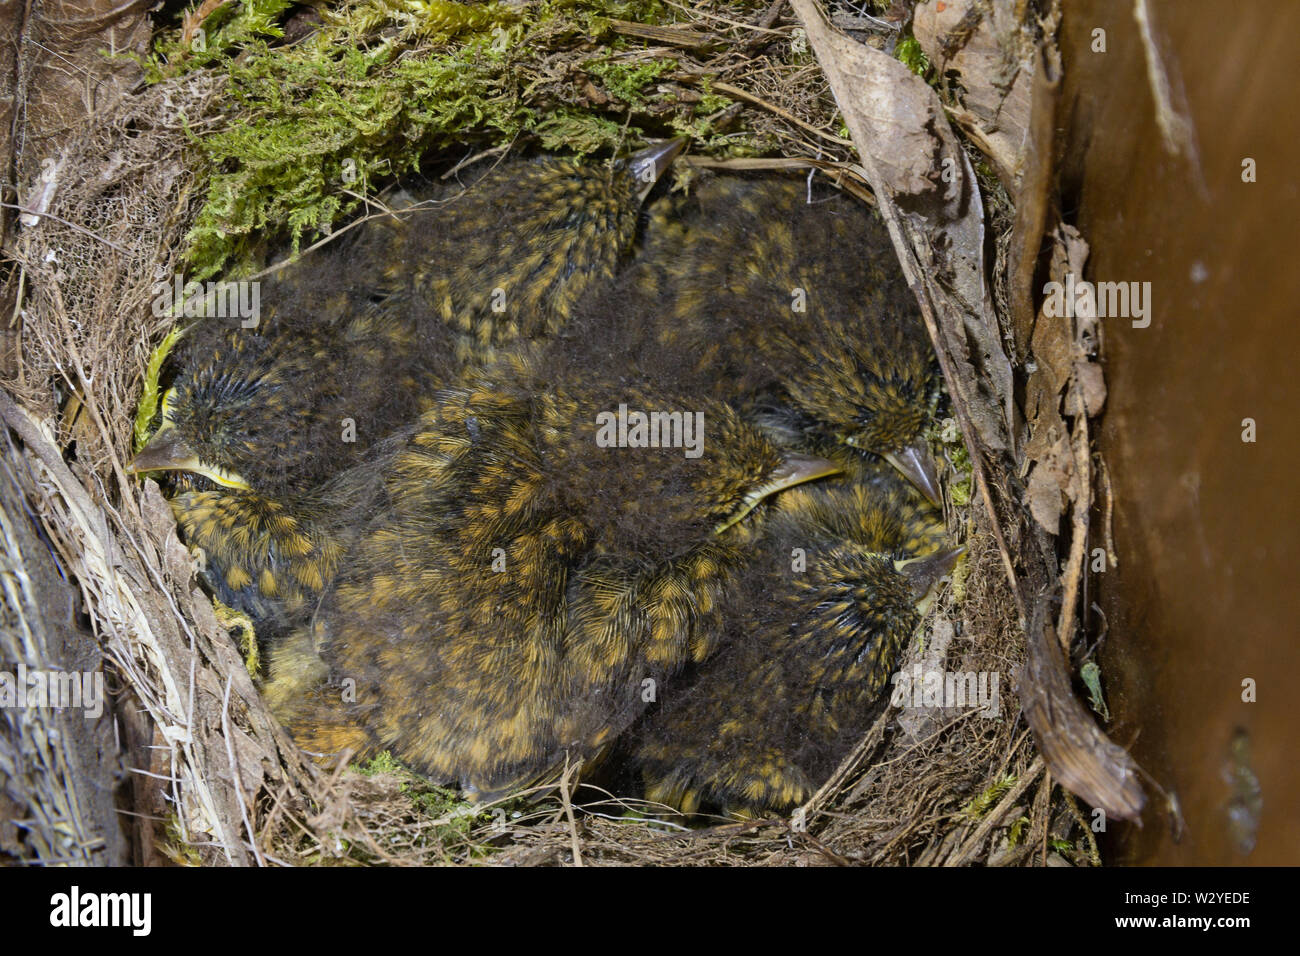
[(186, 761)]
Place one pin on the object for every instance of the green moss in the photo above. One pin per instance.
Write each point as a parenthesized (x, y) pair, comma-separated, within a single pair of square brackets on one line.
[(311, 127), (713, 102), (985, 801), (577, 130), (961, 491), (175, 846), (231, 26), (627, 81), (960, 578), (1090, 674), (909, 53), (948, 435), (236, 28), (458, 818), (381, 763), (314, 133), (439, 20), (147, 410)]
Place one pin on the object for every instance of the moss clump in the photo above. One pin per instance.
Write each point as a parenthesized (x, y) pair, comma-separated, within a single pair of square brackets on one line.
[(948, 435), (439, 20), (909, 53), (626, 81), (985, 801), (456, 818), (310, 127), (316, 132), (960, 577), (148, 407), (230, 27)]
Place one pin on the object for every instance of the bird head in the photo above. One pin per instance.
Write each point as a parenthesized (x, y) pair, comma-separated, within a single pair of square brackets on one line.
[(871, 508), (871, 394), (595, 210), (853, 358), (531, 243), (857, 594), (862, 607), (231, 415)]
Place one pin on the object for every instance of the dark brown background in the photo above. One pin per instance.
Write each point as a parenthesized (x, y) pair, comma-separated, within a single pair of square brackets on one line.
[(1205, 525)]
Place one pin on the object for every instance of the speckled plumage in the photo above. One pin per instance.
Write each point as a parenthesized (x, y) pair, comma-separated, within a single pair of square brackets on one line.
[(268, 560), (352, 342), (356, 334), (511, 258), (501, 591), (272, 558), (523, 583), (284, 406), (814, 627), (747, 290)]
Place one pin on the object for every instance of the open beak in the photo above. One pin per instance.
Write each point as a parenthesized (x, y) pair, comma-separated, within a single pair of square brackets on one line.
[(793, 470), (917, 466), (168, 451), (925, 572), (649, 164)]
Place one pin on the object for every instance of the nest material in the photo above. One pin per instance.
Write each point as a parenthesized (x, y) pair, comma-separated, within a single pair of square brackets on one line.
[(203, 769)]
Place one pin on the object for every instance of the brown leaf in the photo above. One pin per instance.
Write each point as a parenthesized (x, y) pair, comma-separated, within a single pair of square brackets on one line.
[(1091, 386), (989, 49)]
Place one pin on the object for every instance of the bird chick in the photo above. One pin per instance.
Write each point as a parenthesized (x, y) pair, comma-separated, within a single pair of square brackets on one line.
[(748, 288), (358, 334), (814, 628), (535, 570), (511, 258), (272, 558), (257, 426), (285, 406)]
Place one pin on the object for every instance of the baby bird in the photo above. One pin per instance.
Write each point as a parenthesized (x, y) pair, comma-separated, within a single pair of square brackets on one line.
[(285, 406), (749, 289), (541, 560), (814, 628), (512, 257), (356, 336), (259, 424), (351, 345)]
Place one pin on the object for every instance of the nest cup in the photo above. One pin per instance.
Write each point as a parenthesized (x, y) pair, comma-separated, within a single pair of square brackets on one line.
[(186, 763)]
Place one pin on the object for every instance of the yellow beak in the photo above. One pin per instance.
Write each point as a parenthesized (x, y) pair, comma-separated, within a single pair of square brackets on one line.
[(168, 451), (793, 470)]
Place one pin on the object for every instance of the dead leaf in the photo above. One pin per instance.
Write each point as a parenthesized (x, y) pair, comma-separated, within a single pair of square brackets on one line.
[(1046, 484), (989, 49)]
